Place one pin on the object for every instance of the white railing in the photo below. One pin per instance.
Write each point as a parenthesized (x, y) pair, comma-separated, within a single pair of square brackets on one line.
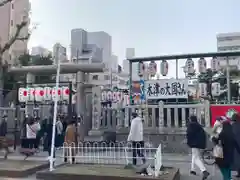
[(119, 153)]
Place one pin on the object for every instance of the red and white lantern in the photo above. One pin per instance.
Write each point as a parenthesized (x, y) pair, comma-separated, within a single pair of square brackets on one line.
[(39, 94), (56, 93), (65, 93), (114, 96), (31, 94), (23, 95), (119, 96), (47, 93)]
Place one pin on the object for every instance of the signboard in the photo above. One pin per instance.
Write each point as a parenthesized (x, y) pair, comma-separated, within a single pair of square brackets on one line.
[(166, 88), (223, 110)]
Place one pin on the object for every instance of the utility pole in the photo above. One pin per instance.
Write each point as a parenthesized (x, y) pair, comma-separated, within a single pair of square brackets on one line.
[(55, 111)]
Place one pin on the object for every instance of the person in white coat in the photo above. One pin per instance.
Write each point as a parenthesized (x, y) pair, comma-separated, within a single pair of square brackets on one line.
[(136, 137), (32, 129)]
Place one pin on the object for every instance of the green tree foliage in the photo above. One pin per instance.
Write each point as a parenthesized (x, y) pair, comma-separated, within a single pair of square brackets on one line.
[(210, 77), (10, 80)]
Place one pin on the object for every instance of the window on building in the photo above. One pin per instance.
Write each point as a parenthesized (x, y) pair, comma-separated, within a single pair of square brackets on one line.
[(106, 77), (95, 77), (11, 22), (12, 6)]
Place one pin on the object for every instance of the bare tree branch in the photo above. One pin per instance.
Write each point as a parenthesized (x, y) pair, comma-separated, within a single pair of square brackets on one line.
[(15, 37), (3, 2)]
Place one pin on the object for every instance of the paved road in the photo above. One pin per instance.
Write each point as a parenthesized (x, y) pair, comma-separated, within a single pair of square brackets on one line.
[(176, 160)]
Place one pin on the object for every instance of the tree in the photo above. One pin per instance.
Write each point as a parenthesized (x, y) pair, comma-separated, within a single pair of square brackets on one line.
[(5, 47)]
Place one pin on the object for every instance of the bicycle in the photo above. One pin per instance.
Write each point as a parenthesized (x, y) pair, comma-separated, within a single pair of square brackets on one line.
[(207, 156)]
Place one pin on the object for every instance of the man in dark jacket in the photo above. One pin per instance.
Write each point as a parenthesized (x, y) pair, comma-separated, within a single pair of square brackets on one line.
[(196, 140)]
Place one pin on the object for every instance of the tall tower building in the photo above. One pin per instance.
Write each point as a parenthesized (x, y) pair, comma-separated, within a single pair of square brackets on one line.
[(78, 42), (104, 42)]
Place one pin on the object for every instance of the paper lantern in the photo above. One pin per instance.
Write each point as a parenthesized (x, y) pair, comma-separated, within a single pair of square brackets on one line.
[(141, 68), (215, 64), (56, 93), (23, 95), (31, 94), (104, 96), (47, 93), (114, 96), (119, 96), (202, 89), (65, 93), (202, 65), (109, 96), (216, 89), (189, 65), (152, 68), (39, 94), (164, 68)]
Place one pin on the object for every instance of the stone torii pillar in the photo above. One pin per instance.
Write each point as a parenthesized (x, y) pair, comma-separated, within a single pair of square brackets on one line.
[(80, 93)]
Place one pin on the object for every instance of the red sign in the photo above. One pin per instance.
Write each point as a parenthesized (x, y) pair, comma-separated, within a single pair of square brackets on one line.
[(223, 110)]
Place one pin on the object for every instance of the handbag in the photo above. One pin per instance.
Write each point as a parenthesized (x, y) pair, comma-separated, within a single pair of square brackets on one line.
[(218, 151)]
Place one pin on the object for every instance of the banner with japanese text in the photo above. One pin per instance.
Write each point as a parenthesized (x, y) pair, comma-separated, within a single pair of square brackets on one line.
[(166, 89), (223, 110)]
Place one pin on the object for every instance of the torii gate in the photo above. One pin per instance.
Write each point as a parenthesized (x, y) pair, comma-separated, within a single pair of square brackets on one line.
[(65, 68)]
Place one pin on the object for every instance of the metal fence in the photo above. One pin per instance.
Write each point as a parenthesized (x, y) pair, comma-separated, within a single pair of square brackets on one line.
[(118, 153)]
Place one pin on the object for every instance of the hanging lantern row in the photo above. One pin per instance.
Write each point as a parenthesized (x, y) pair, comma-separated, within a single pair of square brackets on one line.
[(216, 91), (202, 65), (152, 68)]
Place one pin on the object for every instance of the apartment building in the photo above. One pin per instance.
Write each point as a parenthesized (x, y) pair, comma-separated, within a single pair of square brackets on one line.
[(11, 14), (229, 42), (41, 51)]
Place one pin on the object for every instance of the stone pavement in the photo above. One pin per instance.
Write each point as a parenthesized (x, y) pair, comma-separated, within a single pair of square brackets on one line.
[(177, 160)]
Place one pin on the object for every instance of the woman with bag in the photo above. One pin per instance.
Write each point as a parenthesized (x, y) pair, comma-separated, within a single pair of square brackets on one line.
[(223, 151)]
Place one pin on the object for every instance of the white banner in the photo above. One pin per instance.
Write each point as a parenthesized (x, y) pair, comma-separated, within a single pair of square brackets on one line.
[(166, 88)]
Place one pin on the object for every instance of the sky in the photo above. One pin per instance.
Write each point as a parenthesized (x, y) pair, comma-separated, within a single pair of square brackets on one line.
[(153, 27)]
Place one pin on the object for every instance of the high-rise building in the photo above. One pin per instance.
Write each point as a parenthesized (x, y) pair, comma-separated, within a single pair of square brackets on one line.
[(229, 42), (60, 52), (81, 50), (12, 14), (114, 63), (103, 41), (78, 42)]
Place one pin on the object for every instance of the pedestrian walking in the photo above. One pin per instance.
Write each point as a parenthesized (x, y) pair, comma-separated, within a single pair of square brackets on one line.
[(32, 129), (59, 129), (236, 133), (70, 141), (136, 138), (224, 154), (196, 140), (3, 138)]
